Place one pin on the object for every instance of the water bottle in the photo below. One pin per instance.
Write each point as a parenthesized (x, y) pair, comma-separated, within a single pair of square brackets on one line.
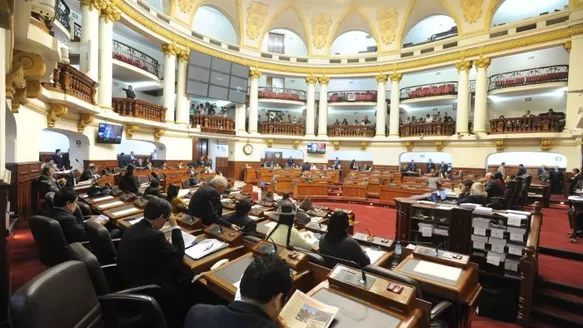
[(398, 253)]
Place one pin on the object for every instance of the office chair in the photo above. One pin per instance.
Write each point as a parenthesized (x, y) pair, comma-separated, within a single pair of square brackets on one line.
[(316, 258), (143, 179), (47, 203), (49, 239), (101, 243), (436, 310), (36, 305)]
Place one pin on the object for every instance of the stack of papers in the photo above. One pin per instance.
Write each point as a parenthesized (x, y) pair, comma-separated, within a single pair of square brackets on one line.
[(373, 254), (126, 211), (110, 205), (495, 258), (134, 221), (483, 210), (204, 248), (438, 270), (100, 199)]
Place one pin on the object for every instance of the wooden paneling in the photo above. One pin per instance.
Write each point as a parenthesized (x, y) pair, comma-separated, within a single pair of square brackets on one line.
[(302, 189), (23, 192), (235, 170), (5, 291), (221, 164), (354, 191)]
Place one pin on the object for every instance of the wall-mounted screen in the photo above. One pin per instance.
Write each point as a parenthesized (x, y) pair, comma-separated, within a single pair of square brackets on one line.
[(109, 133), (317, 148)]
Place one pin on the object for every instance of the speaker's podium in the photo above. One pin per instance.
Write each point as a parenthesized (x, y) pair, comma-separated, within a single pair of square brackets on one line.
[(449, 276)]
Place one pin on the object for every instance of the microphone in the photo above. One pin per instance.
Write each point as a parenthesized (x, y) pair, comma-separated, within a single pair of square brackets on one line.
[(338, 260), (272, 243), (424, 243)]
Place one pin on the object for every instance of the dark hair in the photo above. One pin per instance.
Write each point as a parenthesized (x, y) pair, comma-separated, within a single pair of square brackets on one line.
[(130, 170), (57, 150), (154, 183), (468, 183), (337, 226), (287, 218), (243, 206), (285, 195), (576, 170), (503, 163), (47, 169), (64, 196), (269, 194), (265, 278), (172, 192), (156, 207), (498, 176)]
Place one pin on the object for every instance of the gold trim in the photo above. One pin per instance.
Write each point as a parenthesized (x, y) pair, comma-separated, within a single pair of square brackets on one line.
[(464, 65), (105, 107), (492, 9), (324, 80), (568, 45), (575, 4)]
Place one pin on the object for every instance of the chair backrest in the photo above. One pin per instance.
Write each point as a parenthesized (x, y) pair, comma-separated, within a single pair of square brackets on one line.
[(511, 192), (101, 243), (78, 252), (523, 190), (62, 296), (49, 239), (49, 199), (143, 179), (386, 273), (316, 259)]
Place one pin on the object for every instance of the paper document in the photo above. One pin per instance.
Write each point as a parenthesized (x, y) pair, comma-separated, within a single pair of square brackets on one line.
[(515, 250), (438, 270), (204, 248), (515, 220), (183, 192), (483, 210), (134, 221), (493, 259), (254, 218), (497, 233), (302, 311), (498, 248), (83, 195), (126, 211), (373, 254), (187, 238), (100, 199), (112, 204), (479, 245), (426, 231), (479, 231), (516, 237)]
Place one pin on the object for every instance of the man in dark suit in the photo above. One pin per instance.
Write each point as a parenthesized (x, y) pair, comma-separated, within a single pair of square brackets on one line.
[(574, 181), (430, 166), (58, 158), (72, 178), (129, 182), (264, 287), (241, 216), (492, 187), (66, 212), (89, 173), (205, 203), (46, 181)]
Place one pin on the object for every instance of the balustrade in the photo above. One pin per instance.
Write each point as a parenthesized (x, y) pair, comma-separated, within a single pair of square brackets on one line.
[(286, 129), (429, 90), (366, 131), (557, 73), (530, 124), (68, 80), (139, 109), (282, 93), (213, 124), (136, 58), (76, 32), (63, 14), (352, 96), (427, 129)]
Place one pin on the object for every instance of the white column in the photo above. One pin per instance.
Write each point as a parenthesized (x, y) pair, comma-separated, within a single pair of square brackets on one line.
[(310, 105), (381, 104), (575, 84), (240, 115), (481, 109), (463, 96), (182, 103), (395, 103), (254, 75), (108, 17), (3, 58), (89, 60), (169, 80), (323, 110)]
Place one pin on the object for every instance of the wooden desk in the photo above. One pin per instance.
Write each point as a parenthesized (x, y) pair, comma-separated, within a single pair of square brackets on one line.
[(284, 184), (355, 191), (98, 199), (122, 211), (108, 205), (205, 263), (302, 189)]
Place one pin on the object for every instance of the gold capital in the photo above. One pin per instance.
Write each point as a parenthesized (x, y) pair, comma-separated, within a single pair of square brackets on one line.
[(108, 10), (396, 77), (183, 54), (55, 113), (567, 45), (483, 62), (158, 133), (464, 65), (92, 4), (382, 78), (84, 120), (170, 49), (254, 74), (130, 130), (310, 79), (324, 80)]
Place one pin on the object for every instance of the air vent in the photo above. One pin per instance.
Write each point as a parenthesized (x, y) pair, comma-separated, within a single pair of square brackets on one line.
[(215, 42), (426, 50), (302, 60), (143, 5), (526, 28), (335, 61), (283, 58), (450, 45), (264, 55), (234, 48), (353, 60), (498, 34), (407, 54), (557, 20), (196, 35), (370, 59), (164, 18)]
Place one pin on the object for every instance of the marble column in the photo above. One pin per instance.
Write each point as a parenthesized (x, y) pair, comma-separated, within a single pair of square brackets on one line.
[(381, 105), (254, 75), (323, 108), (575, 84), (311, 106), (240, 116), (170, 51), (89, 58), (182, 103), (395, 103), (107, 18), (481, 107), (463, 96)]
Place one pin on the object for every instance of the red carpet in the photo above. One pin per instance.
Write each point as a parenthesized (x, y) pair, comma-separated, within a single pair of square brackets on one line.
[(554, 231), (24, 263)]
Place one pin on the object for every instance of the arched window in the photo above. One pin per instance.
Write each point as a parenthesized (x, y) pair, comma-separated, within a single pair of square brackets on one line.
[(431, 29), (283, 41), (75, 145), (156, 4), (353, 43), (515, 10), (142, 148), (211, 22)]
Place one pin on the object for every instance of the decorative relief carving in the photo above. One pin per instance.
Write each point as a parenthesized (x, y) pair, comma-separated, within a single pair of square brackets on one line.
[(464, 65), (396, 77), (254, 74), (388, 21), (499, 145), (130, 130), (55, 113), (439, 145), (295, 144), (382, 78), (324, 80), (472, 10), (311, 79), (545, 144), (483, 62), (158, 133), (568, 45), (409, 145), (93, 4), (363, 145), (256, 13), (84, 120), (186, 6), (182, 53), (170, 49), (320, 30), (269, 143), (108, 11), (23, 81), (336, 145)]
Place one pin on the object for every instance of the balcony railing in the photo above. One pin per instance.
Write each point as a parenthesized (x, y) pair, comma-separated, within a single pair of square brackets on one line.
[(531, 124), (427, 129), (213, 124), (76, 32), (429, 90), (557, 73), (63, 14), (139, 109), (68, 80), (136, 58), (282, 93), (435, 37), (366, 131), (352, 96), (286, 129)]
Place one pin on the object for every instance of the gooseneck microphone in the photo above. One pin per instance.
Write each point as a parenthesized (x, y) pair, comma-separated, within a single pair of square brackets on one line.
[(338, 260)]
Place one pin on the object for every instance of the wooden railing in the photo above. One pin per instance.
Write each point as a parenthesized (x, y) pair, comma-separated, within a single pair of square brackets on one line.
[(428, 129), (68, 80), (352, 96), (529, 269), (429, 90), (139, 109), (282, 93), (213, 124), (286, 129), (366, 131), (531, 76), (531, 124)]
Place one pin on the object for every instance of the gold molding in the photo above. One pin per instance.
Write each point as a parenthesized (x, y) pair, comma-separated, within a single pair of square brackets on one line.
[(472, 10), (256, 13), (336, 145), (108, 11), (381, 78), (55, 113), (23, 82), (409, 146), (396, 77), (131, 129), (499, 145), (295, 144), (575, 4), (84, 120), (388, 21), (545, 144), (568, 45), (464, 65), (311, 79), (321, 30), (254, 74), (269, 143), (363, 145), (324, 80), (439, 145), (158, 133), (483, 62)]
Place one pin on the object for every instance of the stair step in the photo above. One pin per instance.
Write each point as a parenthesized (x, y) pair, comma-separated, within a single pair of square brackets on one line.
[(556, 315), (558, 286), (567, 301)]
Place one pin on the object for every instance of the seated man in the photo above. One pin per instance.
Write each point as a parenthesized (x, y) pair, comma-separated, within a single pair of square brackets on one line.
[(129, 182), (264, 288), (66, 212), (241, 216), (492, 187), (46, 181), (89, 173), (72, 178), (205, 203)]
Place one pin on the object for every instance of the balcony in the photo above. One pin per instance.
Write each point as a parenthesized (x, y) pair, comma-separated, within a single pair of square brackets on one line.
[(282, 94), (136, 58), (533, 76), (62, 15), (531, 124), (213, 124), (429, 90), (139, 109), (76, 32), (284, 129), (347, 97), (427, 129), (360, 131), (68, 80)]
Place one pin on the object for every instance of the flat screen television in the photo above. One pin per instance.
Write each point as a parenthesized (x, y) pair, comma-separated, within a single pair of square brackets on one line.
[(109, 133), (317, 148)]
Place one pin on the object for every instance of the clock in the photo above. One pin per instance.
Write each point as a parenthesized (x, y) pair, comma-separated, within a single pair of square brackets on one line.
[(248, 149), (278, 155)]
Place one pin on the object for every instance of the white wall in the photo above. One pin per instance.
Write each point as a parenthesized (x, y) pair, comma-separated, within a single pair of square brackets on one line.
[(423, 157), (50, 141), (10, 137), (217, 149), (428, 27), (210, 22), (529, 159), (526, 60), (76, 144), (139, 147), (352, 84), (518, 105), (438, 75), (286, 152), (156, 4), (348, 155), (515, 10), (293, 44), (352, 43), (117, 92), (155, 53)]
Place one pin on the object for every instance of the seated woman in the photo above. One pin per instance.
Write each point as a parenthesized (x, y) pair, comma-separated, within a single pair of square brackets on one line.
[(465, 188), (477, 195), (500, 181), (434, 181), (178, 205), (154, 189), (337, 243), (284, 233)]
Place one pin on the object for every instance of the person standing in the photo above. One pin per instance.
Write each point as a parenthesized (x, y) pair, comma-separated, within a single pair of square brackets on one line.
[(502, 169)]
